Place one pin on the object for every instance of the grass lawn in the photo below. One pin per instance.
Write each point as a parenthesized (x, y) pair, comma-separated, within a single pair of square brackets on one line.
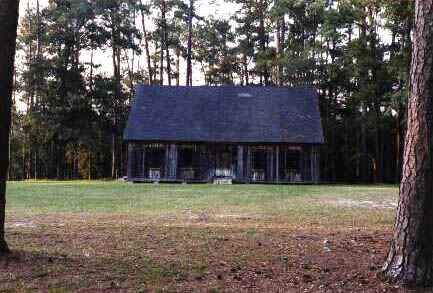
[(117, 237)]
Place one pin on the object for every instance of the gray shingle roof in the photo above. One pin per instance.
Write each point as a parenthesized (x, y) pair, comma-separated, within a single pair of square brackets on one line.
[(225, 114)]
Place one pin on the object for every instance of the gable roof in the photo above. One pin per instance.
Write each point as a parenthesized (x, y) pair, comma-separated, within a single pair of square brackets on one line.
[(225, 114)]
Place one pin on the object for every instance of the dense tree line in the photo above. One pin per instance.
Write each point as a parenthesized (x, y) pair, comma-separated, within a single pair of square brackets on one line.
[(355, 52)]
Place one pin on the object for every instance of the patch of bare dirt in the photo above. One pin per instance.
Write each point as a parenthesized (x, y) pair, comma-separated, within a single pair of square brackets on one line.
[(121, 254), (369, 204)]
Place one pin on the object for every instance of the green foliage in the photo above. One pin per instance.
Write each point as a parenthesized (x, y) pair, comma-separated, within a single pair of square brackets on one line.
[(213, 51), (355, 52)]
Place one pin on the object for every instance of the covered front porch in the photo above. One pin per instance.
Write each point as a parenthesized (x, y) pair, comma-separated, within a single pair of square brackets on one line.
[(238, 163)]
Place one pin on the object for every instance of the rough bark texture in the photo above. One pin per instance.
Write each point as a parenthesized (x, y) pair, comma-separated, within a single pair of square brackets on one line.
[(8, 34), (410, 258)]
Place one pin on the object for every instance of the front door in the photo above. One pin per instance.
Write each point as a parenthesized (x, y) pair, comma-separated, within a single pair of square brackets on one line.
[(224, 162)]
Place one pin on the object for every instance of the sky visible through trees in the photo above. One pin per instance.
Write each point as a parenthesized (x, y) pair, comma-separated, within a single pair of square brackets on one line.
[(219, 9), (79, 62)]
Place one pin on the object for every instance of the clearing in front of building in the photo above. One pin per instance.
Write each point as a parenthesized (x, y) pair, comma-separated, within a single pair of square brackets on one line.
[(111, 236)]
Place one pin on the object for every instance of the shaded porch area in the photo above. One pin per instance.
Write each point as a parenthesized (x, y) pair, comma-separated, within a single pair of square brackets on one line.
[(241, 163)]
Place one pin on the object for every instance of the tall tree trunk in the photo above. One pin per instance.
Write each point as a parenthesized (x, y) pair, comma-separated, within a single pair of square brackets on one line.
[(36, 165), (177, 66), (91, 79), (89, 165), (410, 259), (155, 61), (38, 31), (30, 59), (365, 162), (246, 72), (131, 72), (263, 40), (9, 172), (23, 154), (378, 176), (37, 76), (280, 32), (166, 42), (8, 35), (161, 66), (131, 66), (113, 155), (189, 46), (146, 44), (117, 94), (11, 133), (168, 61), (162, 41)]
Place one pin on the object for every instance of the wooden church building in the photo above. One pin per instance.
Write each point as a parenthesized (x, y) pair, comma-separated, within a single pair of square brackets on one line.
[(224, 134)]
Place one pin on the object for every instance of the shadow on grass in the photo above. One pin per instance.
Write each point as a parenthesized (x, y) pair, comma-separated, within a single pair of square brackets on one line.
[(31, 258), (35, 270)]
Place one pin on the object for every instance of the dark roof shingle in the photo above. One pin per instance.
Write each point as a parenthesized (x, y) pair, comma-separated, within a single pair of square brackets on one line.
[(225, 114)]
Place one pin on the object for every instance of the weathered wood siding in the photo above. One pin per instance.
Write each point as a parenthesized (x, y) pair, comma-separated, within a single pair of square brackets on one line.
[(273, 160)]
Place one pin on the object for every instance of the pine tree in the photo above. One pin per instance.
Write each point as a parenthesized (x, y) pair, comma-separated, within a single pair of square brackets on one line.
[(8, 34), (410, 259)]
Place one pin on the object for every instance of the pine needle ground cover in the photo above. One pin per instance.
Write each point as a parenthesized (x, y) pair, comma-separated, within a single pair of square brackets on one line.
[(120, 237)]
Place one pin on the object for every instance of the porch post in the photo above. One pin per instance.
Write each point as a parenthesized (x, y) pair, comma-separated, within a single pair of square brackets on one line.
[(143, 162), (240, 169), (277, 163), (167, 162), (204, 164), (248, 169), (314, 161), (317, 156), (173, 161), (310, 164), (301, 163), (130, 162), (270, 167)]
